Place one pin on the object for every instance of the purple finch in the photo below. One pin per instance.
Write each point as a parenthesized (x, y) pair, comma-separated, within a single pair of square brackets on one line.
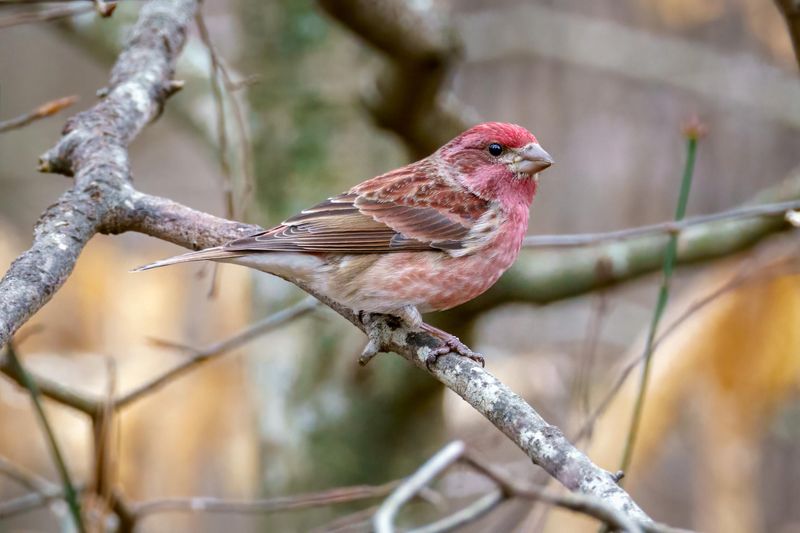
[(425, 237)]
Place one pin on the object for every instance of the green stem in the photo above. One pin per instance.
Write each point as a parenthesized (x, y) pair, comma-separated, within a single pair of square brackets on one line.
[(70, 494), (663, 297)]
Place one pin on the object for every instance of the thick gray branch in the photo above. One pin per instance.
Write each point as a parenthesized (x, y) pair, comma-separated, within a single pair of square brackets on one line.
[(544, 444), (94, 150)]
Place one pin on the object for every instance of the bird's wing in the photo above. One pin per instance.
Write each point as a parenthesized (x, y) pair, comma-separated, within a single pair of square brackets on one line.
[(394, 212)]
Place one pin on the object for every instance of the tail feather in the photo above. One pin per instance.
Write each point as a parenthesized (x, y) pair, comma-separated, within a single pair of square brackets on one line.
[(213, 254)]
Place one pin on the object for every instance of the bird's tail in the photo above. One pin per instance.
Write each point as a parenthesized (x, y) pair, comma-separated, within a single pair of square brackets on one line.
[(214, 254)]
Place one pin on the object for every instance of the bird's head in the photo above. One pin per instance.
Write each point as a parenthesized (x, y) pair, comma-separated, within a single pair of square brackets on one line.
[(497, 161)]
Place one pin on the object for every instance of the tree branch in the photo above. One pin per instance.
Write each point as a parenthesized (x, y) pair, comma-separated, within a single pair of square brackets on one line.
[(791, 12), (44, 15), (94, 151), (546, 275), (45, 110), (422, 48)]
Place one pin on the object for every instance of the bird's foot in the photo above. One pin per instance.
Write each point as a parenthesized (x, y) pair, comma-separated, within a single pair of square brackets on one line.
[(375, 325), (450, 343), (374, 344)]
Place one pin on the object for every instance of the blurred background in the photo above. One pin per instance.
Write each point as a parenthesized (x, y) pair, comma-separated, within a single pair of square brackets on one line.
[(604, 85)]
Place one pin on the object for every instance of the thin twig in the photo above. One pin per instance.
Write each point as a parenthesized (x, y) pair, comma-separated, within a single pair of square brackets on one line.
[(581, 503), (466, 515), (219, 105), (23, 476), (661, 304), (221, 70), (44, 15), (791, 12), (348, 522), (45, 110), (741, 278), (270, 505), (31, 501), (102, 432), (70, 494), (200, 355), (383, 522), (581, 383), (51, 389), (104, 9), (667, 228), (245, 146)]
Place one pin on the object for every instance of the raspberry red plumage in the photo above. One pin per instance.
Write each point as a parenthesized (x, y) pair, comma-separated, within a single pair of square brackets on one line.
[(427, 236)]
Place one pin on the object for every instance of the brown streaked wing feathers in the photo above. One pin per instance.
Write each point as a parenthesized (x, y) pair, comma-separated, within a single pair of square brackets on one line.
[(372, 222)]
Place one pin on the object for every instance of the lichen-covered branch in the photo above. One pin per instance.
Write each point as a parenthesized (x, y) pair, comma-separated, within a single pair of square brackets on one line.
[(102, 199), (94, 151), (545, 444)]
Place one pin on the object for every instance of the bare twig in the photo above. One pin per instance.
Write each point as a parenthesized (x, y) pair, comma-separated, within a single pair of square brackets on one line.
[(663, 297), (102, 433), (201, 355), (383, 522), (70, 494), (507, 487), (349, 522), (547, 275), (44, 15), (31, 501), (742, 277), (23, 476), (104, 9), (270, 505), (45, 110), (222, 127), (582, 381), (543, 443), (93, 150), (52, 389), (221, 79), (591, 506), (791, 12), (776, 209), (466, 515)]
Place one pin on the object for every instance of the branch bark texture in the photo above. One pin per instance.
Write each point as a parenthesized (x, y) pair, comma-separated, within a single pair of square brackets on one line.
[(102, 199), (94, 151)]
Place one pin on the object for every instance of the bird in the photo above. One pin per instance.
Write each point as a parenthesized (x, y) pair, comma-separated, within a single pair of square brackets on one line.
[(425, 237)]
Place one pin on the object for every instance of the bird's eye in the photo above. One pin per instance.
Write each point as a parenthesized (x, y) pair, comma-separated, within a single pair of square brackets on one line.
[(495, 149)]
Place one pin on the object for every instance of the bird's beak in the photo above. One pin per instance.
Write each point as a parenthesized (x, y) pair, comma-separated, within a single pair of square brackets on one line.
[(532, 159)]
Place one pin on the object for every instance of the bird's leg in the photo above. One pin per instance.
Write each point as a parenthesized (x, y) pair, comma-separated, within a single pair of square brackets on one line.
[(409, 316), (373, 331), (451, 343)]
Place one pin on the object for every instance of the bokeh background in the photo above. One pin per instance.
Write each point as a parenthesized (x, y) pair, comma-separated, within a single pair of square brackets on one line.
[(605, 86)]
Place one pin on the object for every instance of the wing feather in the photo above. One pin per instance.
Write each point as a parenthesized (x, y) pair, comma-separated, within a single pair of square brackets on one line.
[(399, 211)]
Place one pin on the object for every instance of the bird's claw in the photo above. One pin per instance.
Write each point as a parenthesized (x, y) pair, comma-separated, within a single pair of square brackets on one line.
[(373, 346), (453, 344)]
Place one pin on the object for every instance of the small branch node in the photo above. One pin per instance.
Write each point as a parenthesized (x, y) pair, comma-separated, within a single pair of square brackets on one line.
[(173, 86)]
